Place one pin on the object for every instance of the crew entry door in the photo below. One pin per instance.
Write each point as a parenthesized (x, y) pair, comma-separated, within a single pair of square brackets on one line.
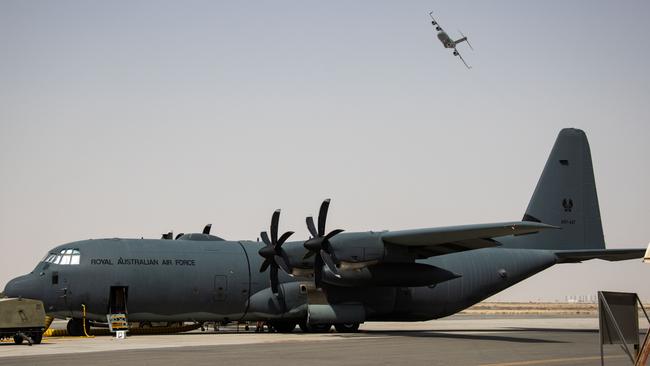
[(118, 299), (116, 317)]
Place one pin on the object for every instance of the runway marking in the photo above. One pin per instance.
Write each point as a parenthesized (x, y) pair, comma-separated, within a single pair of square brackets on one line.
[(549, 360)]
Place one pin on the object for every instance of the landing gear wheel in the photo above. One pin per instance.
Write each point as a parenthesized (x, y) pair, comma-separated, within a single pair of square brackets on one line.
[(315, 328), (37, 337), (18, 339), (347, 327), (283, 327), (303, 327), (75, 327)]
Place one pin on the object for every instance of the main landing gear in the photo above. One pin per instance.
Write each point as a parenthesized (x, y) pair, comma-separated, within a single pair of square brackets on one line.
[(347, 327), (289, 326), (75, 327), (325, 328), (282, 326)]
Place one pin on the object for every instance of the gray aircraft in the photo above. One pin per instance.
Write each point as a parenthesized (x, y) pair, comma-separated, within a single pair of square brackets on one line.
[(332, 278), (448, 42)]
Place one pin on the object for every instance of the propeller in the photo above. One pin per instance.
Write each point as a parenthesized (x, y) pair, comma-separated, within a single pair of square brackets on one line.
[(206, 229), (319, 243), (273, 254), (168, 236)]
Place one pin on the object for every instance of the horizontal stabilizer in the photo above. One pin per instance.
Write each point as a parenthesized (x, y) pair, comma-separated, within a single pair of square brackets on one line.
[(452, 239), (577, 256)]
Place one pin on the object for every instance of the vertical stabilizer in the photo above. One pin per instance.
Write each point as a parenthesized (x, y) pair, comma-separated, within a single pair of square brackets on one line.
[(565, 196)]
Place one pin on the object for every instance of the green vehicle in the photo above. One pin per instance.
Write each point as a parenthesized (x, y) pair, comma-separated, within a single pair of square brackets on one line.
[(22, 320)]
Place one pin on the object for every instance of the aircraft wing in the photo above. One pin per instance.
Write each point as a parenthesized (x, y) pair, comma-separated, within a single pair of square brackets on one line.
[(646, 258), (461, 58), (577, 256), (452, 239), (435, 22)]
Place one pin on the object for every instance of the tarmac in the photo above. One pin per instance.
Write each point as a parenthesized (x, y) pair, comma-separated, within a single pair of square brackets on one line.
[(457, 340)]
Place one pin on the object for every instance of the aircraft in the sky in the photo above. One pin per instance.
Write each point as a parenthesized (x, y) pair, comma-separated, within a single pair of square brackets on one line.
[(448, 42), (332, 278)]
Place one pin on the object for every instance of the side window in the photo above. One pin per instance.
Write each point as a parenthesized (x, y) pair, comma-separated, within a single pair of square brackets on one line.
[(55, 278)]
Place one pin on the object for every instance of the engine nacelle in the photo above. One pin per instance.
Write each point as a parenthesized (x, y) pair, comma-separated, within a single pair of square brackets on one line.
[(292, 304), (358, 247)]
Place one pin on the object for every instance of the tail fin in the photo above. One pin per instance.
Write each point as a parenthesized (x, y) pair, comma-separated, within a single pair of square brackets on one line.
[(565, 196)]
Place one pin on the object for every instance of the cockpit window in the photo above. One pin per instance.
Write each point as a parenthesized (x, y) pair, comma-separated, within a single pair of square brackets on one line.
[(64, 257)]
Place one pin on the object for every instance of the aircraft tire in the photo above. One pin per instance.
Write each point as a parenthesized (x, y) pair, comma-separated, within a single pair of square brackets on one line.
[(37, 337), (18, 339), (315, 328), (347, 327), (283, 327), (75, 327)]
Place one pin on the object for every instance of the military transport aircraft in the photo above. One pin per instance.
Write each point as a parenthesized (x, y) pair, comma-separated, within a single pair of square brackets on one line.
[(448, 42), (332, 278)]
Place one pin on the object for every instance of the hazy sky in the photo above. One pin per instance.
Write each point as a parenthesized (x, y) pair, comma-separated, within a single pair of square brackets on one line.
[(133, 118)]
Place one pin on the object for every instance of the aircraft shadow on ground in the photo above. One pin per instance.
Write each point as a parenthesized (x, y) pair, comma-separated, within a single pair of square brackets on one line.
[(563, 330), (452, 334)]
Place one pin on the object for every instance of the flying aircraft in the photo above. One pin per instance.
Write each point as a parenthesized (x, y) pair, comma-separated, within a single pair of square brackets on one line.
[(333, 277), (448, 42)]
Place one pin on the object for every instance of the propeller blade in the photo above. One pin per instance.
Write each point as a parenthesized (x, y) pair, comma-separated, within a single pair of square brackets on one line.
[(275, 220), (206, 229), (333, 233), (329, 262), (322, 216), (168, 236), (309, 255), (178, 236), (280, 262), (318, 271), (287, 261), (283, 238), (312, 227), (265, 265), (274, 279), (265, 238)]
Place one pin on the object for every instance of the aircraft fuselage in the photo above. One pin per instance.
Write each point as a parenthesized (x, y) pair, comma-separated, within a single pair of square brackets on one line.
[(446, 40), (173, 280)]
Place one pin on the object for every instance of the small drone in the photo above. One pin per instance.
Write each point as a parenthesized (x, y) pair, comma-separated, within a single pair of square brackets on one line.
[(448, 42)]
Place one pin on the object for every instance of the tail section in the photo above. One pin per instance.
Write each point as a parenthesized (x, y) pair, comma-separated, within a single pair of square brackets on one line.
[(565, 196), (464, 39)]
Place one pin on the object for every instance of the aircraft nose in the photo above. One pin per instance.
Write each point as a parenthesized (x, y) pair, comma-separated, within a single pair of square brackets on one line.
[(23, 286)]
